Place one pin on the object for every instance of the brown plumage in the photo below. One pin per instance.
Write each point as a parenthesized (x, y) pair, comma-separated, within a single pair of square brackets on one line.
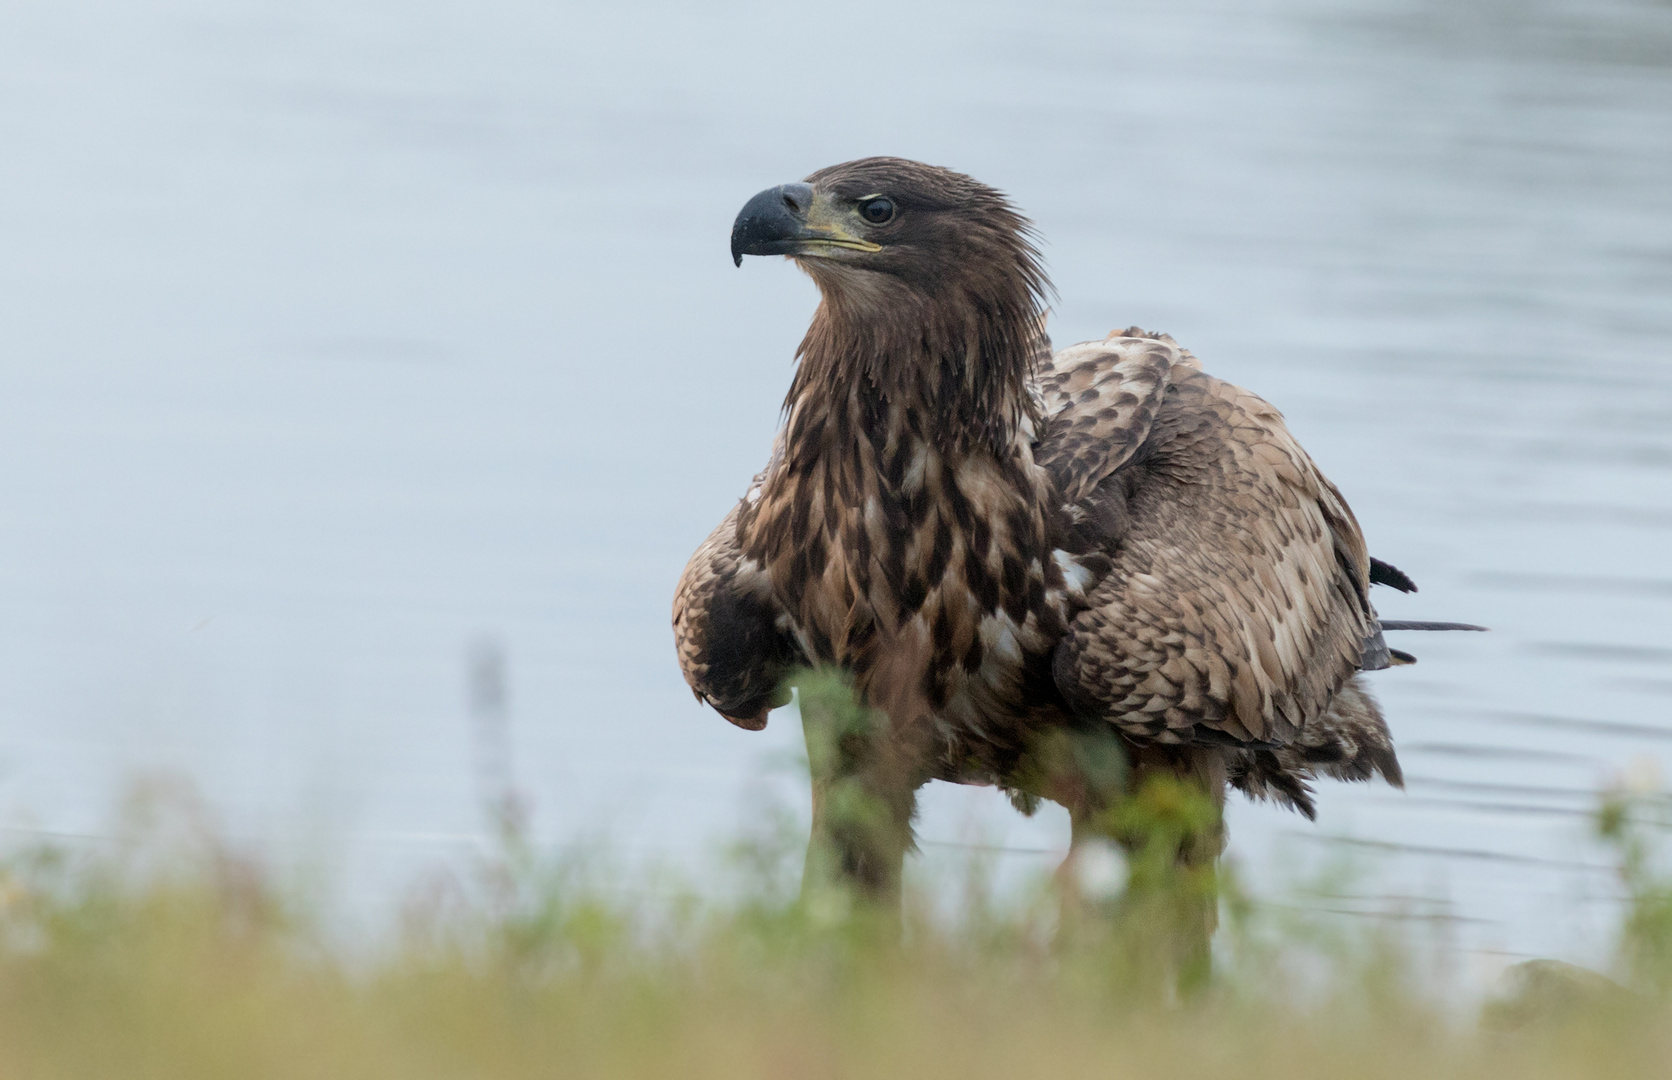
[(1005, 547)]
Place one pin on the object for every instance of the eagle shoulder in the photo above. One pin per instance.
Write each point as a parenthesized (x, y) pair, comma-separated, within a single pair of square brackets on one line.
[(733, 649), (1236, 603), (1099, 400)]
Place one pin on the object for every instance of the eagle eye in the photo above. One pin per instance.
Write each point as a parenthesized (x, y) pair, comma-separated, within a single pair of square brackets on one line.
[(878, 210)]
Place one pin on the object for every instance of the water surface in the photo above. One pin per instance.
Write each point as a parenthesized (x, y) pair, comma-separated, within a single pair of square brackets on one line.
[(335, 336)]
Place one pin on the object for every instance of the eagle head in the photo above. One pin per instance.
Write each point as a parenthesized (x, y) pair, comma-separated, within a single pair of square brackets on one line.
[(932, 292), (884, 227)]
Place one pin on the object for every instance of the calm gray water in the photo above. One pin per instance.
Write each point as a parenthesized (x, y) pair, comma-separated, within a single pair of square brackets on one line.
[(335, 336)]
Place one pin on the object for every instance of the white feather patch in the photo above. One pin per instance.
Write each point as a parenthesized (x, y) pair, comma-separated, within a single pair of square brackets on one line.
[(999, 634), (1077, 576)]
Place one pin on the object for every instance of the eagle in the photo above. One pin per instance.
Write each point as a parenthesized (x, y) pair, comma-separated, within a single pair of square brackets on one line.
[(1057, 573)]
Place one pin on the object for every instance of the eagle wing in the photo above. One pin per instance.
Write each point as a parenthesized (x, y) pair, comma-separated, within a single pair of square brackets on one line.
[(1100, 399), (734, 648), (1234, 608)]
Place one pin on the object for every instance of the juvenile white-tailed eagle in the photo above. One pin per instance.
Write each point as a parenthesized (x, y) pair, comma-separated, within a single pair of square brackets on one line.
[(1008, 549)]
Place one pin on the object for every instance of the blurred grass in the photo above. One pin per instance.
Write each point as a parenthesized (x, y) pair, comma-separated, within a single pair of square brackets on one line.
[(171, 955)]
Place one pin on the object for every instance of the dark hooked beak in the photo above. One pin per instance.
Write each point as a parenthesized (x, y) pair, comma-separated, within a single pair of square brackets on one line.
[(773, 222), (793, 219)]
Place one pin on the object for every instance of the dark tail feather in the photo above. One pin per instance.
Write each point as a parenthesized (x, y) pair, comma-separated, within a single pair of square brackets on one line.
[(1382, 573), (1401, 624), (1259, 774)]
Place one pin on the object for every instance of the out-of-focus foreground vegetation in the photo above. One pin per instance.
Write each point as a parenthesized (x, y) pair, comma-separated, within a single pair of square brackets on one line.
[(169, 955)]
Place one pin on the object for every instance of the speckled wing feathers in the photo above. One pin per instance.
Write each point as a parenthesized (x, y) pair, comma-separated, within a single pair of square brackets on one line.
[(1100, 399), (1236, 607)]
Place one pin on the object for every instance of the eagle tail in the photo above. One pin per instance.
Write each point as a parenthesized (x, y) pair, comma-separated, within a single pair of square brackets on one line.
[(1383, 573), (1403, 624)]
